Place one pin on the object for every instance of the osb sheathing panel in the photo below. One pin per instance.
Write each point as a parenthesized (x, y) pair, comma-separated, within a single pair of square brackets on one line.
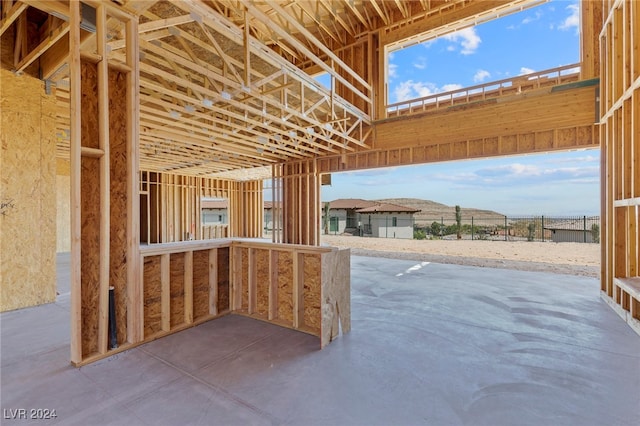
[(336, 294), (312, 291), (90, 254), (118, 199), (63, 213), (152, 296), (262, 282), (27, 193), (516, 115), (285, 289), (177, 288), (200, 284), (90, 207), (223, 279)]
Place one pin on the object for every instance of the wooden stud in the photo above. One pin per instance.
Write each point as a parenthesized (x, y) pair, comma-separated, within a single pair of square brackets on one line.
[(135, 311), (252, 280), (165, 296), (105, 181), (298, 290), (213, 281), (188, 287), (75, 151)]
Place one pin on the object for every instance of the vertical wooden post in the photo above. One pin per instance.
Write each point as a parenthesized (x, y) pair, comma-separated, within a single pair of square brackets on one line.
[(298, 289), (165, 292), (135, 307), (213, 281), (105, 185), (252, 280), (75, 161), (236, 278), (188, 287)]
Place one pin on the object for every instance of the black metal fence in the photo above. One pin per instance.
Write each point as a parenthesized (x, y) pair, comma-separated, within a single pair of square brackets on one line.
[(579, 229)]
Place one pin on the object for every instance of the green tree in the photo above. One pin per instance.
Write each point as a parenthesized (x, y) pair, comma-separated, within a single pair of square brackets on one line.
[(436, 229), (458, 223), (595, 233)]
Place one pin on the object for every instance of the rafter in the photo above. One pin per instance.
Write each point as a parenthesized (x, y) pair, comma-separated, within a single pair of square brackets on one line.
[(9, 16)]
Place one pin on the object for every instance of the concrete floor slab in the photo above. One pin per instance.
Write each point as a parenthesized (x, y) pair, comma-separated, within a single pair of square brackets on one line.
[(430, 344)]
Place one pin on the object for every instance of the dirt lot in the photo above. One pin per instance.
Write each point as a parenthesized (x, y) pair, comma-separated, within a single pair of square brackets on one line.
[(560, 258)]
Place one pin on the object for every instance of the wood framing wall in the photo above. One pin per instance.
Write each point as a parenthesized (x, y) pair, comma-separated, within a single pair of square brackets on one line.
[(296, 196), (104, 187), (620, 135), (170, 207), (27, 193), (187, 283)]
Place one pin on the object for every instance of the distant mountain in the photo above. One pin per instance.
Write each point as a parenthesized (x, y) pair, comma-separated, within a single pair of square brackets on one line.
[(431, 211)]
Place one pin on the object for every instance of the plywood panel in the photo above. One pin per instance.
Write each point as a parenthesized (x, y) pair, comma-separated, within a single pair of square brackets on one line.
[(285, 293), (90, 255), (312, 271), (519, 114), (91, 210), (152, 296), (200, 284), (336, 294), (27, 193), (118, 198), (262, 281), (223, 280)]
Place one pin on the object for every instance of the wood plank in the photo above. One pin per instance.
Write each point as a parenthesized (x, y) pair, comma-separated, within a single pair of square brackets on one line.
[(298, 290), (165, 296), (75, 137), (105, 181), (188, 287), (213, 281), (51, 39), (252, 280), (8, 17), (135, 317)]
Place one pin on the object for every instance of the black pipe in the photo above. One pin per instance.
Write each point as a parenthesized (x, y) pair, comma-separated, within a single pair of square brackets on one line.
[(113, 334)]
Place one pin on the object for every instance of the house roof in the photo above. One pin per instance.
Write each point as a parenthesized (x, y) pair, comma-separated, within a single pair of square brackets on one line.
[(351, 203), (387, 208)]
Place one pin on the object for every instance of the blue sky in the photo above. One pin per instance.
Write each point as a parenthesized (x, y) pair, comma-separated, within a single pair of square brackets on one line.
[(535, 39)]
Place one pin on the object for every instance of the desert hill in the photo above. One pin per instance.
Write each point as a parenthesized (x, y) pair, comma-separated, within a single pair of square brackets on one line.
[(431, 211)]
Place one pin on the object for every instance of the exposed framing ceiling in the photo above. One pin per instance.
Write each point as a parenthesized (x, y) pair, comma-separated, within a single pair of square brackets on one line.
[(220, 83)]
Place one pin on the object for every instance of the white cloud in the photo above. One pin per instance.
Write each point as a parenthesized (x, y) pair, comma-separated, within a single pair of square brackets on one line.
[(573, 20), (410, 89), (467, 37), (530, 19), (520, 175), (481, 75), (393, 68), (420, 63), (525, 70), (451, 87)]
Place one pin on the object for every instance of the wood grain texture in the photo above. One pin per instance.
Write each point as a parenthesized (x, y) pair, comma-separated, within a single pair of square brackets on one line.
[(27, 193), (152, 296)]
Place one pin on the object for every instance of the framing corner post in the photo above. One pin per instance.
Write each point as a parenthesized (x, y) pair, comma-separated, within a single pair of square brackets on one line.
[(135, 311), (75, 158)]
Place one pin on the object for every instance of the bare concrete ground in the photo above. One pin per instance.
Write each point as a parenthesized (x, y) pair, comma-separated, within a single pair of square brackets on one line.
[(559, 258)]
